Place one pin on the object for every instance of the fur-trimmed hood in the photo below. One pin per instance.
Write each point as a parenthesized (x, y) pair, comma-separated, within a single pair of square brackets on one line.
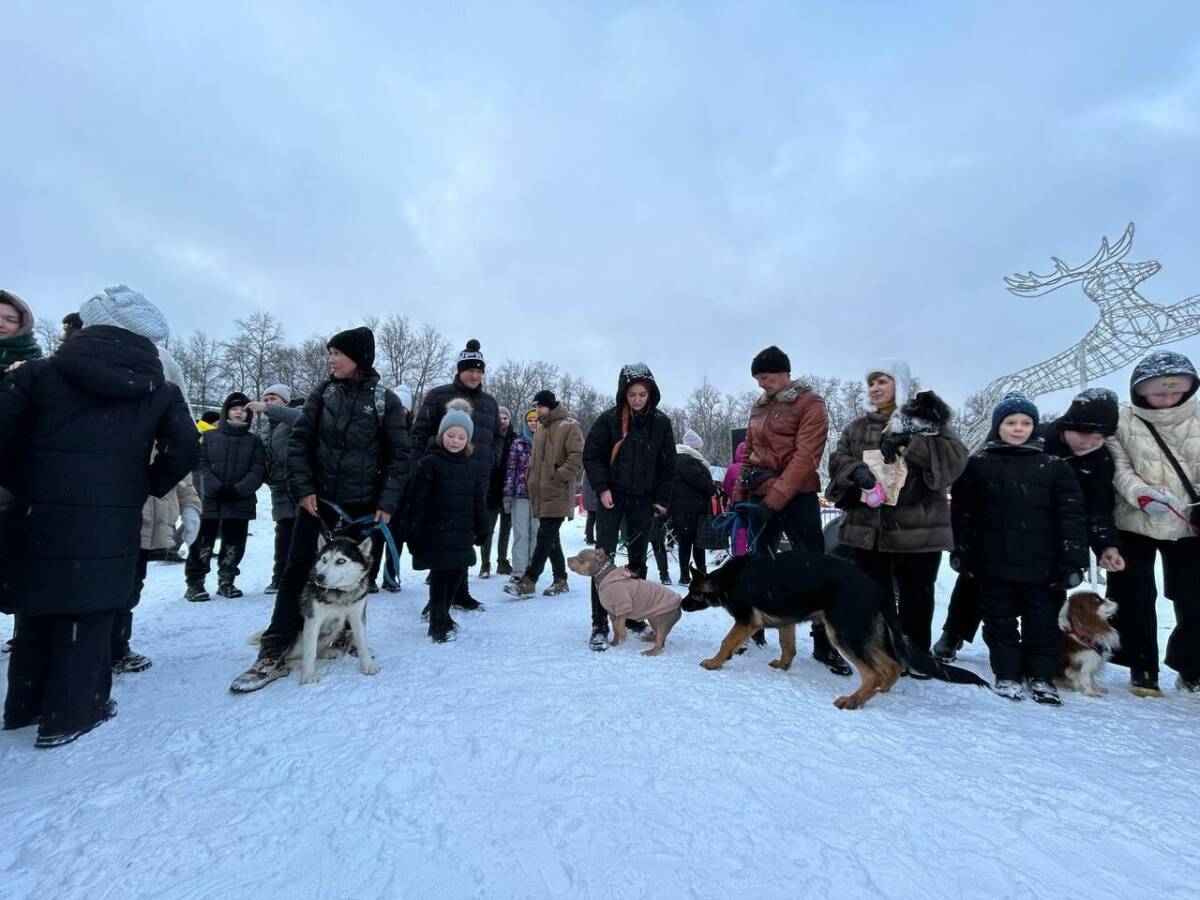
[(789, 394), (899, 372)]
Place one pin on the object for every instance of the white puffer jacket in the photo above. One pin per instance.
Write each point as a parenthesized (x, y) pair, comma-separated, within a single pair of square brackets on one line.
[(1141, 465)]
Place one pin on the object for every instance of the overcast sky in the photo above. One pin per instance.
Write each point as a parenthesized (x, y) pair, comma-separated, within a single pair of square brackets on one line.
[(591, 184)]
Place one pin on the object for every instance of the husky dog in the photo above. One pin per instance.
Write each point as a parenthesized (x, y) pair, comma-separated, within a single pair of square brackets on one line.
[(336, 593)]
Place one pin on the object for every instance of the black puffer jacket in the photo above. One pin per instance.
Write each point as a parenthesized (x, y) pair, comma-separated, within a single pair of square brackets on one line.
[(485, 414), (281, 418), (446, 515), (1095, 472), (495, 492), (645, 463), (76, 436), (693, 490), (341, 447), (1018, 514), (231, 457)]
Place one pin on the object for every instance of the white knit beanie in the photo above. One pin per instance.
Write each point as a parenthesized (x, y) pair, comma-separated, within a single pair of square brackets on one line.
[(693, 440), (898, 371), (123, 307)]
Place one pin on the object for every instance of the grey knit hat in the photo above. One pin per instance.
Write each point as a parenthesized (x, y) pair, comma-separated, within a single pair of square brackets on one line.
[(123, 307), (280, 390)]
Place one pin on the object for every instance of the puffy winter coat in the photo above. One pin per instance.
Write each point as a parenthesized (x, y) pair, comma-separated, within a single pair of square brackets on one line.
[(590, 500), (516, 473), (76, 436), (1141, 465), (281, 418), (786, 434), (485, 414), (160, 514), (231, 456), (729, 483), (920, 520), (692, 493), (557, 462), (446, 513), (1095, 472), (644, 464), (1018, 514), (346, 448), (495, 494)]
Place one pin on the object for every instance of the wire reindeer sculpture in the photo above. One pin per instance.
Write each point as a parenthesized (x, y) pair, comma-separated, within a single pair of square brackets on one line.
[(1129, 326)]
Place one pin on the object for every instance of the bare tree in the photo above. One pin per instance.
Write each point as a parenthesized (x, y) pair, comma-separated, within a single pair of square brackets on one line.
[(252, 358), (49, 335), (199, 358), (397, 345), (431, 360)]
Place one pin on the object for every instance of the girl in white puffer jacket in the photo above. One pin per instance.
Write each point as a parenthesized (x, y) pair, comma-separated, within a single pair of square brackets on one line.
[(1155, 513)]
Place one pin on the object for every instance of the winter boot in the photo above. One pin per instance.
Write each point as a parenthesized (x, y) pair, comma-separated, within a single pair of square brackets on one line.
[(46, 741), (947, 647), (833, 661), (557, 586), (131, 662), (520, 588), (485, 569), (468, 605), (1044, 692), (599, 639), (504, 567), (229, 589), (372, 587), (444, 630), (1188, 686), (906, 672), (1144, 684), (760, 638), (7, 648), (263, 672), (425, 613), (685, 580), (196, 593), (664, 578), (391, 585), (272, 588), (1009, 689)]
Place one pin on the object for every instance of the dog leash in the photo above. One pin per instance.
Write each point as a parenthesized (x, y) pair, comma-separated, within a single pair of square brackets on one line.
[(392, 571), (740, 514)]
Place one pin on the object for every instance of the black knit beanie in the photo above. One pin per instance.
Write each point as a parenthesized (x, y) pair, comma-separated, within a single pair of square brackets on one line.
[(1094, 411), (545, 398), (770, 360), (356, 343), (471, 357)]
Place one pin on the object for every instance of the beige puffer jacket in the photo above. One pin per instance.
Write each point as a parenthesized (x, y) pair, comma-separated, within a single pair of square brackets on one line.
[(1141, 465), (159, 516)]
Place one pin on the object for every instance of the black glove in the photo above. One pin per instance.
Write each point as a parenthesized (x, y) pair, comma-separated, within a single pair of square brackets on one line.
[(959, 565), (762, 515), (227, 493), (1070, 578), (891, 446), (862, 478)]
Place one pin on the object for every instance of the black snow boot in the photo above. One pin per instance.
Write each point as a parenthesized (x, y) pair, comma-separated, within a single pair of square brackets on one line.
[(1188, 685), (196, 594), (46, 741), (637, 626), (1009, 689), (1044, 691), (443, 630), (470, 604), (947, 647), (504, 567), (272, 588), (229, 589), (599, 639), (833, 661), (131, 662)]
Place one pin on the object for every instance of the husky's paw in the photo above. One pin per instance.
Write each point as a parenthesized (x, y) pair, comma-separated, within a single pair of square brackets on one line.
[(368, 668), (309, 678)]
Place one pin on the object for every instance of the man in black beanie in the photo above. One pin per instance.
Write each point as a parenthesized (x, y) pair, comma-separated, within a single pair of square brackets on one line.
[(349, 445), (486, 440)]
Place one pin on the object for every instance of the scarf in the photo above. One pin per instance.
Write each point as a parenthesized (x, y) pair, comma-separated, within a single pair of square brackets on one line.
[(18, 348)]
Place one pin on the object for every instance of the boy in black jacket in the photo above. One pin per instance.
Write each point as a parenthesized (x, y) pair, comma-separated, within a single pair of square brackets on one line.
[(1020, 530), (233, 465)]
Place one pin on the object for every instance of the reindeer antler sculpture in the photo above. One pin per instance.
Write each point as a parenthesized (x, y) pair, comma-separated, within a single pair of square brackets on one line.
[(1129, 326)]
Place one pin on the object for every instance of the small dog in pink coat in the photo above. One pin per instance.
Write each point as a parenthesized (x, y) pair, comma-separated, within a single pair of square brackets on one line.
[(625, 596)]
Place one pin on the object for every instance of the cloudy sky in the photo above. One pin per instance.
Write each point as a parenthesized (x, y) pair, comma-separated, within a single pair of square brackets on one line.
[(680, 183)]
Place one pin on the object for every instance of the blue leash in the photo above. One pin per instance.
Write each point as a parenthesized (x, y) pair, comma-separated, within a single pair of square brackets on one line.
[(392, 571), (727, 522)]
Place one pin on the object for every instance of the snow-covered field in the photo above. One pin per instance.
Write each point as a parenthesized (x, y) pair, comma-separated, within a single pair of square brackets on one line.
[(517, 763)]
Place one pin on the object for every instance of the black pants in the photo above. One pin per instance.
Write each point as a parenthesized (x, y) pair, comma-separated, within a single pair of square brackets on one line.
[(233, 548), (122, 627), (685, 540), (589, 528), (965, 612), (384, 552), (485, 550), (283, 540), (548, 546), (60, 669), (637, 513), (1136, 593), (915, 575), (1032, 649), (800, 520), (443, 587), (286, 620), (661, 559)]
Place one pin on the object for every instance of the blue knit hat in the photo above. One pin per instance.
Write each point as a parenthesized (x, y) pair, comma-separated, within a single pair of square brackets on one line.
[(458, 412), (1014, 403)]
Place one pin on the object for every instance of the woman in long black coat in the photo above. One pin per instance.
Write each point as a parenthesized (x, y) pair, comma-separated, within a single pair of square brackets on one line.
[(76, 435), (691, 497)]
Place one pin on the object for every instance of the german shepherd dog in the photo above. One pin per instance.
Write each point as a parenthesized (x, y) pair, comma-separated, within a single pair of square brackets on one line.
[(764, 592)]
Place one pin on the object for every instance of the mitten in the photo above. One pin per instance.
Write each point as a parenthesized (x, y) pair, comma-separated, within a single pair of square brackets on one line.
[(1157, 504), (191, 525), (862, 478)]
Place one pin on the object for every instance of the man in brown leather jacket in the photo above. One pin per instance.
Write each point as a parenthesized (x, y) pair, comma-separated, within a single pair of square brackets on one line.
[(785, 440)]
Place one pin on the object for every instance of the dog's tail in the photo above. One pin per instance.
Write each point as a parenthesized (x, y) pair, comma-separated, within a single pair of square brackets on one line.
[(920, 660)]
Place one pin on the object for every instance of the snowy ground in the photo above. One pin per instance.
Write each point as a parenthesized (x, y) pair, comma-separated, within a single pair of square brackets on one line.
[(517, 763)]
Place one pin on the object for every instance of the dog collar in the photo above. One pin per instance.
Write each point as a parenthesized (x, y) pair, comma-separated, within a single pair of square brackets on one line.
[(605, 571), (1090, 643)]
